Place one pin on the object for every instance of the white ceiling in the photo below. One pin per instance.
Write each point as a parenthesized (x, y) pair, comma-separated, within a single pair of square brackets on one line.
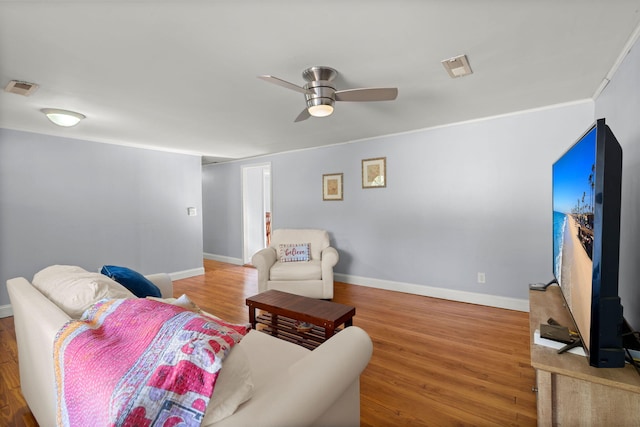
[(181, 75)]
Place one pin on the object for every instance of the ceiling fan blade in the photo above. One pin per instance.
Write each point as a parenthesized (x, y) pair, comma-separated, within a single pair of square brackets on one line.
[(283, 83), (304, 115), (367, 94)]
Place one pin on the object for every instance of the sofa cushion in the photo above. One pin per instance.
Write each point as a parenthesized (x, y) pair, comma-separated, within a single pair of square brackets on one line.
[(139, 285), (74, 289), (311, 270), (233, 387), (294, 252), (269, 357)]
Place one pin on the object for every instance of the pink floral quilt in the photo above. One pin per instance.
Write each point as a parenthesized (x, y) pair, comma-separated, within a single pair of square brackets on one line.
[(138, 362)]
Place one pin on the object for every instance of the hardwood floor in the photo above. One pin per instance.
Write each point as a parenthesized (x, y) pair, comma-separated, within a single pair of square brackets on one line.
[(435, 362)]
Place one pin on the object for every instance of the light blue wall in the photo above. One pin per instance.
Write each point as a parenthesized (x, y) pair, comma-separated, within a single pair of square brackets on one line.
[(463, 199), (66, 201), (619, 104), (222, 210)]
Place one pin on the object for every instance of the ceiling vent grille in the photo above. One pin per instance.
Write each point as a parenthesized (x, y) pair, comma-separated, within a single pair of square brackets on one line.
[(457, 66), (21, 88)]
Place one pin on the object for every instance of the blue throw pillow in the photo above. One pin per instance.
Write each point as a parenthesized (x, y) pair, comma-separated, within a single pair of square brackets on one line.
[(139, 285)]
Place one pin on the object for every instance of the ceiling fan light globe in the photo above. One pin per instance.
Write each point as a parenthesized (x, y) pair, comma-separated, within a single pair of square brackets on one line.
[(320, 110)]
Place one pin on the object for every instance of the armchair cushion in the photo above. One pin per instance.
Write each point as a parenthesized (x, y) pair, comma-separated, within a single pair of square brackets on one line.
[(296, 271)]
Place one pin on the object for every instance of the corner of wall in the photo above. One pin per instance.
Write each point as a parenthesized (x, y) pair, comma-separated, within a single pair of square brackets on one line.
[(6, 311), (221, 258)]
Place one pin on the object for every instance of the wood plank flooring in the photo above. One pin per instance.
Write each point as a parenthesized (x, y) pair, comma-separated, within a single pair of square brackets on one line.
[(435, 362)]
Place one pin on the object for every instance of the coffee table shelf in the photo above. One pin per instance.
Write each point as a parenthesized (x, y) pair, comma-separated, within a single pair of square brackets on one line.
[(286, 329)]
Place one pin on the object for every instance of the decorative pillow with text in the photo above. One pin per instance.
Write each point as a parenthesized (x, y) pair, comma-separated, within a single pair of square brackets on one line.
[(294, 252)]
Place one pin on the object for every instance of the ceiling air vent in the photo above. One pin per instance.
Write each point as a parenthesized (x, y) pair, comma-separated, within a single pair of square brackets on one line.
[(457, 66), (21, 88)]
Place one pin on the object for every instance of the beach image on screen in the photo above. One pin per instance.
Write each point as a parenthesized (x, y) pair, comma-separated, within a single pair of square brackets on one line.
[(573, 213)]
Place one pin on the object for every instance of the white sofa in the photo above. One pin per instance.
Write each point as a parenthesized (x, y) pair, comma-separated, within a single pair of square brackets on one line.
[(313, 279), (292, 385)]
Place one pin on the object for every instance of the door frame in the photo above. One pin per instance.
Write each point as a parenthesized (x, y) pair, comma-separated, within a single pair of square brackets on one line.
[(250, 217)]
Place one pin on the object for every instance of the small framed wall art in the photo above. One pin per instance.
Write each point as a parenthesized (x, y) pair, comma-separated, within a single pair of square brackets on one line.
[(332, 186), (374, 173)]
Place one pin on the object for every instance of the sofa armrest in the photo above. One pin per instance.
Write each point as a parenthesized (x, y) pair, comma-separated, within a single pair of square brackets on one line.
[(163, 282), (37, 321), (311, 386), (262, 261)]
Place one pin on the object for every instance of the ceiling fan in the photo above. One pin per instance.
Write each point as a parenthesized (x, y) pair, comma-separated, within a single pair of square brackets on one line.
[(321, 94)]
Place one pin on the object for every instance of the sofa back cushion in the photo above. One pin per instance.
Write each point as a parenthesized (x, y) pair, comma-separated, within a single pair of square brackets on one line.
[(318, 239), (74, 289)]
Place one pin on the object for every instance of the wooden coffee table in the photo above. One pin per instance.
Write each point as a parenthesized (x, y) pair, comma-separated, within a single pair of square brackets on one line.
[(281, 310)]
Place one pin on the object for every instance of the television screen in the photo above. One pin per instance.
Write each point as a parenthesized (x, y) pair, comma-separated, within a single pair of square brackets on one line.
[(586, 238), (573, 211)]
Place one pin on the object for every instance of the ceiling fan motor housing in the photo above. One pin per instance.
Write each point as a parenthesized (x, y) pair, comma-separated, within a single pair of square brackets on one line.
[(324, 93), (319, 73)]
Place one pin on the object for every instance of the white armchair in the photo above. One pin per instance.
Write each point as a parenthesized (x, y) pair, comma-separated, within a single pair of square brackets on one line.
[(313, 278)]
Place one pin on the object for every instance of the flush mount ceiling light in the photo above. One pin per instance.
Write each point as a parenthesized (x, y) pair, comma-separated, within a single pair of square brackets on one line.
[(63, 118), (458, 66)]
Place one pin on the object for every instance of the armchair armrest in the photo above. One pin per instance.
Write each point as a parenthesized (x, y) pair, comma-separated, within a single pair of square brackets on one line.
[(329, 257), (262, 261)]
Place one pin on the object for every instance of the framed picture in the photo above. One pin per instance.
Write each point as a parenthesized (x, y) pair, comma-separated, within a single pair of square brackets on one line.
[(374, 173), (332, 186)]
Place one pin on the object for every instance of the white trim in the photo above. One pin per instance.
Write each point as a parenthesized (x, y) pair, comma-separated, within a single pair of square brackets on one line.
[(431, 291), (411, 288), (414, 131), (249, 192), (614, 68), (222, 258), (6, 311), (185, 274)]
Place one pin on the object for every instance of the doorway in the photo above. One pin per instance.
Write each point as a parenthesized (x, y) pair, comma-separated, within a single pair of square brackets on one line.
[(256, 208)]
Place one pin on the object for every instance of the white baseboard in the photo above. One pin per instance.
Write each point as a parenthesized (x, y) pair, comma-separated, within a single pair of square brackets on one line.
[(229, 260), (6, 311), (430, 291), (411, 288), (187, 273)]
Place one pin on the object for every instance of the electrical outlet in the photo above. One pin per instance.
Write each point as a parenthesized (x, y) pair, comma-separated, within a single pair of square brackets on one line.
[(482, 278)]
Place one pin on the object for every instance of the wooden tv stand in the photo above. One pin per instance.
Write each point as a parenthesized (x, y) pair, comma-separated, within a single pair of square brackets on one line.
[(570, 392)]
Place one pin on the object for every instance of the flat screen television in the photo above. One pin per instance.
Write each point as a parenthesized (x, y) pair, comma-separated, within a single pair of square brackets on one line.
[(586, 241)]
